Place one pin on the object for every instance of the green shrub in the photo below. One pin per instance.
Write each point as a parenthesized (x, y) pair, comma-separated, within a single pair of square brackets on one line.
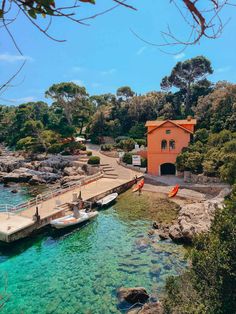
[(121, 138), (89, 153), (94, 160), (73, 146), (55, 149), (66, 153), (144, 162), (201, 135), (141, 142), (127, 144), (208, 286), (127, 158), (138, 130), (106, 147)]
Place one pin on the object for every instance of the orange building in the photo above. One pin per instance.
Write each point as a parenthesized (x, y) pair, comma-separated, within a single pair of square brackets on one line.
[(165, 140)]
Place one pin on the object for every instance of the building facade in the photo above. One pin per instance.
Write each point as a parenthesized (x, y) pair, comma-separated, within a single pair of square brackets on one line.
[(165, 140)]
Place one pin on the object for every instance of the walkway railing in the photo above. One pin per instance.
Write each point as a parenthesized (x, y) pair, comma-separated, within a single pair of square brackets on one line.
[(6, 208), (49, 194)]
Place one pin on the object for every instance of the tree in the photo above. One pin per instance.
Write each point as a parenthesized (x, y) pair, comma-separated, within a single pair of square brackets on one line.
[(185, 75), (73, 100), (168, 111), (125, 92), (201, 135), (217, 110), (97, 128)]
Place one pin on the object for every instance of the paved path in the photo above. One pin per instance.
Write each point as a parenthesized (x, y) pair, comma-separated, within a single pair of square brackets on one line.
[(183, 193), (122, 172)]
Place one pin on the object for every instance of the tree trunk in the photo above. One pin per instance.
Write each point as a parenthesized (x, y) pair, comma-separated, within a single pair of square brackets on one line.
[(187, 100)]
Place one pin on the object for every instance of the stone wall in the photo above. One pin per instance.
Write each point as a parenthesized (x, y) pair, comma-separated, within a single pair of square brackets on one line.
[(135, 168), (199, 178)]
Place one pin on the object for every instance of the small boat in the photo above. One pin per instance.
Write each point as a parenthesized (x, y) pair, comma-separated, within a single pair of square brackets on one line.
[(138, 186), (174, 191), (71, 220), (107, 199)]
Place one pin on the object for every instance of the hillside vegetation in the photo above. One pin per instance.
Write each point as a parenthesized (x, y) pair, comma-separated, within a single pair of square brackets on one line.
[(209, 286), (39, 127)]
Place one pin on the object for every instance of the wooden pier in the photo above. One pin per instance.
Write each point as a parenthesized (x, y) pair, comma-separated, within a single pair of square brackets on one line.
[(17, 222)]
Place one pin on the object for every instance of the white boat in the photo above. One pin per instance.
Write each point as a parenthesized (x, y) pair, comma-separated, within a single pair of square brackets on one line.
[(107, 199), (71, 220)]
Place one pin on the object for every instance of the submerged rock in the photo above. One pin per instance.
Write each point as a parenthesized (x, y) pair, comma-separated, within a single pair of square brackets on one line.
[(164, 234), (132, 295), (143, 243), (152, 308), (148, 308), (14, 191)]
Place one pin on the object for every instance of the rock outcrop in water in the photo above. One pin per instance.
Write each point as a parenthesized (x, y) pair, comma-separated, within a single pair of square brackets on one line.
[(132, 295), (196, 218), (192, 219), (136, 298), (148, 308)]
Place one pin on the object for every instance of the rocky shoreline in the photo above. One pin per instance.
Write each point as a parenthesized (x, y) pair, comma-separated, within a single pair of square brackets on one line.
[(193, 219), (42, 169)]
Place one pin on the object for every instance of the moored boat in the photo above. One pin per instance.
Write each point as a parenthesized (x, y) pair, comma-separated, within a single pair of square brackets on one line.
[(174, 191), (138, 186), (105, 201), (71, 220)]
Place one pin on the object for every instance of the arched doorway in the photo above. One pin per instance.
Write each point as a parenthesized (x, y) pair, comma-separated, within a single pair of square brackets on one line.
[(167, 168)]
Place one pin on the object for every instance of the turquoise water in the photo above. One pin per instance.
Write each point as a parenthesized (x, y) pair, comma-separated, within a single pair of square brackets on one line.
[(79, 272), (6, 197)]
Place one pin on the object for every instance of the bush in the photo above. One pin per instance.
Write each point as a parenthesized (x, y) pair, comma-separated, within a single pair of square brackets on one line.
[(73, 146), (144, 162), (55, 149), (89, 153), (121, 138), (228, 171), (137, 131), (94, 160), (127, 158), (201, 135), (208, 286), (127, 145), (106, 147), (141, 142)]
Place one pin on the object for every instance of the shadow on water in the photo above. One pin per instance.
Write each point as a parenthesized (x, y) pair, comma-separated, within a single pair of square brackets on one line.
[(8, 250), (44, 237)]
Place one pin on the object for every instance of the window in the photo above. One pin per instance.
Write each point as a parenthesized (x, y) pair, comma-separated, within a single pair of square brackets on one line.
[(163, 144), (172, 144), (168, 131)]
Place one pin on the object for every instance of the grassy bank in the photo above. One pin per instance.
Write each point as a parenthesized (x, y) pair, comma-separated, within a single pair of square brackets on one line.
[(149, 205)]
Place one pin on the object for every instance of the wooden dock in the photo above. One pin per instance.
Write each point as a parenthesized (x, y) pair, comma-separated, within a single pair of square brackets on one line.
[(18, 222)]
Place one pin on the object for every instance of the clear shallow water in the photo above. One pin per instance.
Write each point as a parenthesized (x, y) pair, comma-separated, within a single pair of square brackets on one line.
[(79, 272), (6, 197)]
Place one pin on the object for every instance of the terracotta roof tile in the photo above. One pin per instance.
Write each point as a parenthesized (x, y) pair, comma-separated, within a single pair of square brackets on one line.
[(180, 122)]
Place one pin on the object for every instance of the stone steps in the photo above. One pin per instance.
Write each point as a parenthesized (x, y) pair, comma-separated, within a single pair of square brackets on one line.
[(110, 175)]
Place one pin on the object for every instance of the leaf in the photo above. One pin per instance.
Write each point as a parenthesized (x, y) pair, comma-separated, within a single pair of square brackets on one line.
[(89, 1), (1, 14), (32, 13)]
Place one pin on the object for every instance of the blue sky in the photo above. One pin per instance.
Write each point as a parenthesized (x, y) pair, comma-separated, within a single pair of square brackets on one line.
[(106, 55)]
